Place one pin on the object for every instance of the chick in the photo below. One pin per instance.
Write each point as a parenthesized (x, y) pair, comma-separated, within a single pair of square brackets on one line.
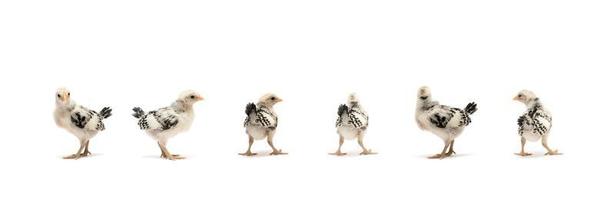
[(261, 122), (535, 123), (167, 122), (444, 121), (83, 123), (351, 123)]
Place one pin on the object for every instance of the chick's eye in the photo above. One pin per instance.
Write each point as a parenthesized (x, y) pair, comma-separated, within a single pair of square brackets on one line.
[(519, 96), (272, 98), (58, 95), (69, 94), (192, 96)]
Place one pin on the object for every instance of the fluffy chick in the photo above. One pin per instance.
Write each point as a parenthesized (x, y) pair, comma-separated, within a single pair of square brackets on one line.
[(444, 121), (261, 122), (535, 123), (83, 123), (351, 123), (167, 122)]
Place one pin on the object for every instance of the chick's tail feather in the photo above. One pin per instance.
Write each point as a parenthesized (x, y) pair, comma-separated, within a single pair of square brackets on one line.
[(105, 112), (342, 109), (138, 112), (471, 108), (251, 107)]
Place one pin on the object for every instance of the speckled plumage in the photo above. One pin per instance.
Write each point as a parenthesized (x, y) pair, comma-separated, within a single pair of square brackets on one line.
[(535, 122), (260, 116), (446, 122), (352, 116)]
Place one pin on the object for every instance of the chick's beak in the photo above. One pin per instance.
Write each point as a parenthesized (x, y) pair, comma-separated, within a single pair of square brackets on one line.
[(199, 98), (516, 98), (64, 98)]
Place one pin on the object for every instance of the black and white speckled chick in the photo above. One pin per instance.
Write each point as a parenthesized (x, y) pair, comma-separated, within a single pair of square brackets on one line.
[(446, 122), (535, 123), (352, 122), (80, 121), (167, 122), (261, 122)]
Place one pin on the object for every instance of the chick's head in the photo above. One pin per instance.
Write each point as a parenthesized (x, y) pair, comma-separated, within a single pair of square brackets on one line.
[(62, 97), (269, 99), (525, 96), (190, 97)]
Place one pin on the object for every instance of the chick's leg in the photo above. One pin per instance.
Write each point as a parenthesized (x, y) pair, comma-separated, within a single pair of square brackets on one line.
[(443, 153), (270, 142), (162, 155), (450, 149), (522, 153), (544, 144), (78, 154), (166, 153), (339, 148), (249, 151), (86, 151), (365, 150)]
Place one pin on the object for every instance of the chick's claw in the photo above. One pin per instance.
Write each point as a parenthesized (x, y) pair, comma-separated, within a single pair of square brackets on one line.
[(278, 152), (73, 156), (368, 152), (338, 153), (248, 153), (523, 154), (552, 153)]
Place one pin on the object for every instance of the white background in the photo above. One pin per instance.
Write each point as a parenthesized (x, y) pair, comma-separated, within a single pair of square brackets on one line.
[(312, 54)]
